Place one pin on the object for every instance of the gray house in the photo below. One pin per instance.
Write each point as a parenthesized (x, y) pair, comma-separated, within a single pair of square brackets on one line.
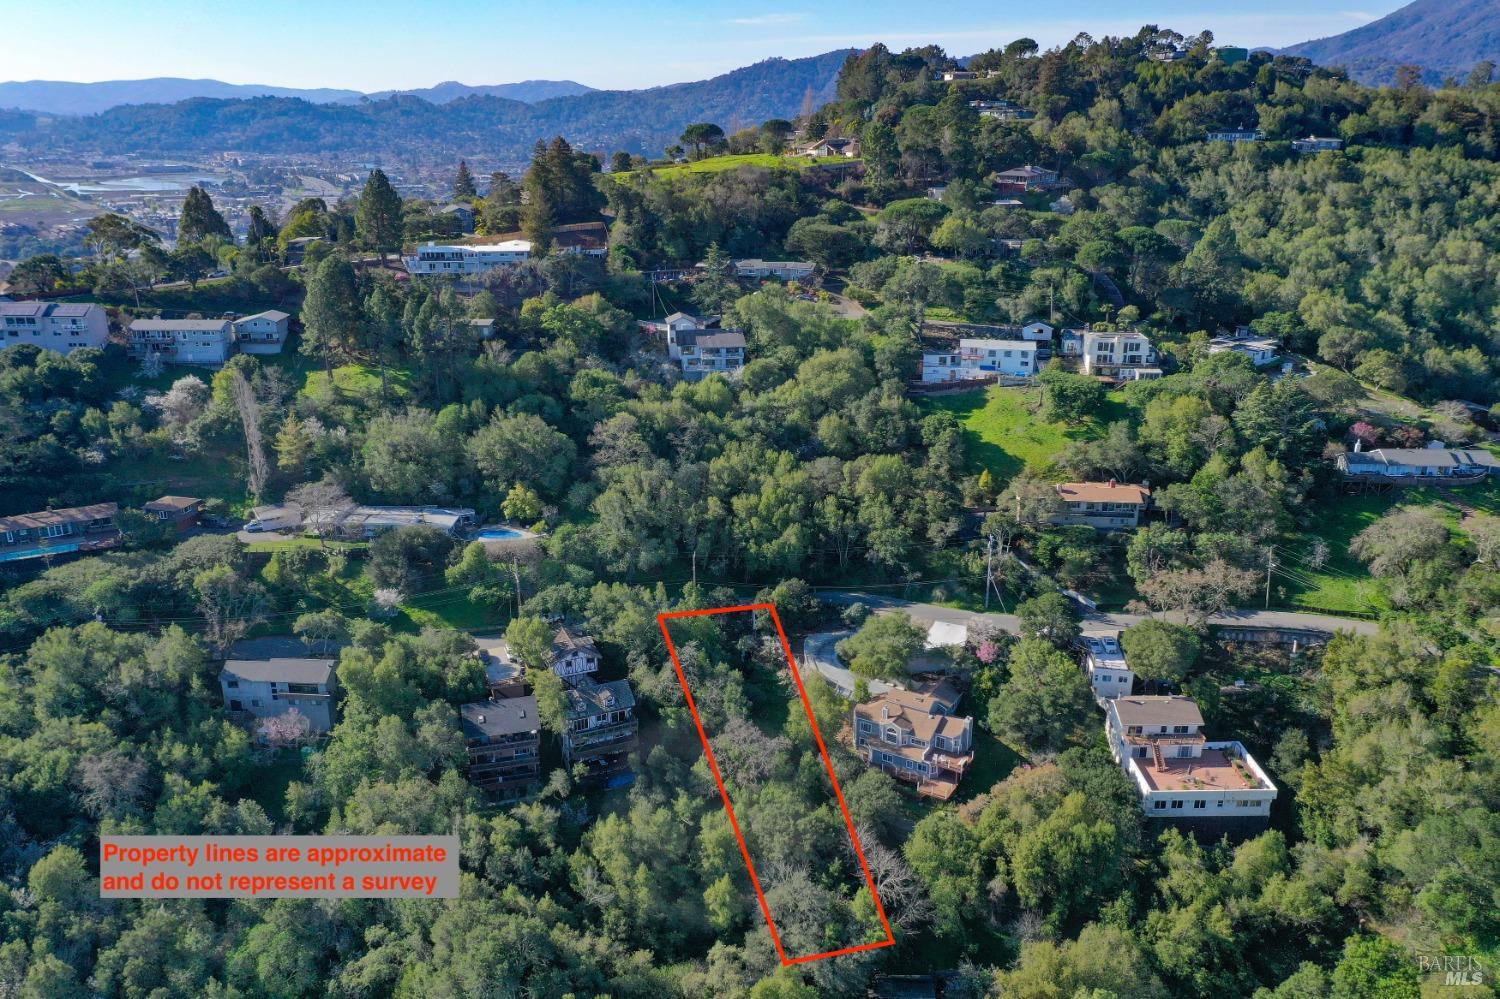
[(265, 688), (262, 333)]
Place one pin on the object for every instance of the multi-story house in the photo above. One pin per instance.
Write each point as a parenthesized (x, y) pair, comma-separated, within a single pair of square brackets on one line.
[(504, 740), (433, 259), (915, 736), (1180, 775), (262, 333), (1120, 354), (573, 656), (1108, 506), (1104, 660), (600, 728), (979, 359), (1025, 178), (266, 688), (366, 522), (58, 532), (207, 342), (55, 326), (705, 352)]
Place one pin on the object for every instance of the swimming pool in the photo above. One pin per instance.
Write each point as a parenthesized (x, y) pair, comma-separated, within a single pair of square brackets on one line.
[(14, 556), (499, 534)]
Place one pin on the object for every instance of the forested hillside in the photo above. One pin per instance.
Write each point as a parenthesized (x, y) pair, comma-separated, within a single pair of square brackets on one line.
[(1443, 38), (818, 477)]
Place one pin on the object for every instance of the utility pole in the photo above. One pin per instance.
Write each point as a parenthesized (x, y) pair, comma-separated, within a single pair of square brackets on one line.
[(989, 558), (1270, 564), (515, 572), (695, 566)]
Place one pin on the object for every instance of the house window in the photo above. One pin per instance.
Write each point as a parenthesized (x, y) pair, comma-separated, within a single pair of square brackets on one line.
[(1160, 804), (233, 684), (1180, 729), (1184, 751), (1177, 803), (1200, 804)]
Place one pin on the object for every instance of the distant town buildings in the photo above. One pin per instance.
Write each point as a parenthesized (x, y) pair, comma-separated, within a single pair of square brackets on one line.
[(1179, 774), (57, 326), (266, 688), (1107, 506)]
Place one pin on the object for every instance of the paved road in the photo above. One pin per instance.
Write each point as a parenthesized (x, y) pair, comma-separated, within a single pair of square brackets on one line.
[(818, 649), (1101, 621)]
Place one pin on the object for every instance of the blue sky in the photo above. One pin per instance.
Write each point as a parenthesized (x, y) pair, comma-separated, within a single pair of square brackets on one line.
[(387, 44)]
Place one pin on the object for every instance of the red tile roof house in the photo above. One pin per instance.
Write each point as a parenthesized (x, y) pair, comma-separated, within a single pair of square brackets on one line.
[(916, 737)]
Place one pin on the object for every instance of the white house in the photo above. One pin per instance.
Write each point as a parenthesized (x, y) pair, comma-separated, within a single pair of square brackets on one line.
[(262, 333), (455, 260), (266, 688), (1237, 135), (1317, 144), (207, 342), (55, 326), (833, 146), (1180, 775), (1104, 660), (370, 521), (573, 655), (1114, 353), (1261, 350), (786, 270), (978, 359)]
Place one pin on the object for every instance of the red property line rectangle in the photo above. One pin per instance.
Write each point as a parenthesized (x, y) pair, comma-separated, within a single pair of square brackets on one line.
[(890, 937)]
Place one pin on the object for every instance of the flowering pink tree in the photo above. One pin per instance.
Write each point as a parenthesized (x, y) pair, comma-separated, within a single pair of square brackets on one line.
[(1366, 433), (987, 652), (285, 730)]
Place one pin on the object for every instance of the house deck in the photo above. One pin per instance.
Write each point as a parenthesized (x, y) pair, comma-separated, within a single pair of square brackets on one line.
[(1213, 771)]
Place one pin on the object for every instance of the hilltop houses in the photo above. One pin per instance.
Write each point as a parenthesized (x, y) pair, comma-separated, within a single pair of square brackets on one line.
[(262, 333), (354, 523), (1236, 135), (1025, 178), (573, 656), (56, 326), (699, 345), (181, 511), (833, 146), (1317, 144), (433, 259), (1261, 350), (1180, 775), (916, 737), (785, 270), (1107, 506)]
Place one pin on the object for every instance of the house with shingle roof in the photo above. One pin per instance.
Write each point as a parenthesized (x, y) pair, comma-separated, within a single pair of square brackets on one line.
[(916, 737), (1108, 506), (265, 688), (60, 326)]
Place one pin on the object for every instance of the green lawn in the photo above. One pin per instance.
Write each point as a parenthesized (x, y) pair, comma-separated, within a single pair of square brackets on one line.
[(718, 164), (1005, 433)]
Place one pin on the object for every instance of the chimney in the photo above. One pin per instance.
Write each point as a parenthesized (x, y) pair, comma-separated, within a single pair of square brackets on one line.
[(1359, 444), (523, 712), (1112, 483), (481, 719)]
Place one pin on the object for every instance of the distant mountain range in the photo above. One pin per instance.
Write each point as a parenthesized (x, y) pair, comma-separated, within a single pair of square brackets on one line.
[(488, 125), (1444, 37), (58, 97)]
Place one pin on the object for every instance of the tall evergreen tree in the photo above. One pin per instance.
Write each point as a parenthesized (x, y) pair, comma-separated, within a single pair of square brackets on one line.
[(377, 219), (463, 184), (332, 317), (200, 219)]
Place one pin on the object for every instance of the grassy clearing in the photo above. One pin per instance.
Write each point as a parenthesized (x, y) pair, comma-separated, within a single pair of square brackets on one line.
[(1005, 432), (719, 164)]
